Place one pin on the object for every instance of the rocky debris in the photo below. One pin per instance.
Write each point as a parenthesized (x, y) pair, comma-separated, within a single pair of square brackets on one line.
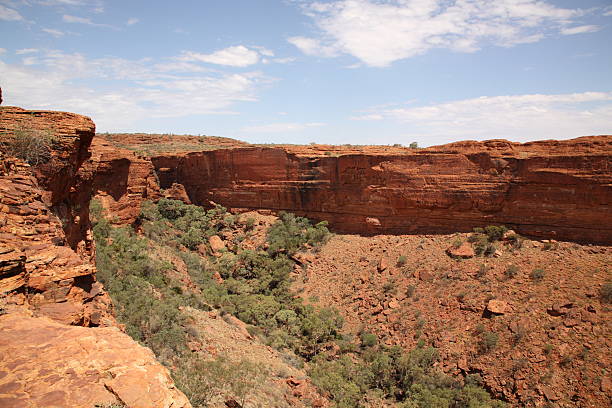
[(383, 264), (441, 301), (45, 363), (464, 251), (177, 192), (497, 306), (216, 244), (559, 308)]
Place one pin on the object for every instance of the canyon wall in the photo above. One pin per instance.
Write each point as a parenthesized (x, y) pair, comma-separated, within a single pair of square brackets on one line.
[(549, 189), (48, 285)]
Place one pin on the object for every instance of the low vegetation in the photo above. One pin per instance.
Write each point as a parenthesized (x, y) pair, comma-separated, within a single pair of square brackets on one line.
[(32, 146), (254, 286)]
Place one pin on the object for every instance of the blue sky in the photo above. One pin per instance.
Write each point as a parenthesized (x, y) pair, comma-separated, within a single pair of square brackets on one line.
[(299, 71)]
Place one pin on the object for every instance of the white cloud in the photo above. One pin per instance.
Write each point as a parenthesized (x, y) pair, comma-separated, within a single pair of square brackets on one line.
[(8, 14), (132, 21), (2, 51), (24, 51), (237, 56), (53, 32), (380, 32), (74, 19), (280, 127), (580, 29), (67, 18), (313, 47), (515, 117), (147, 89)]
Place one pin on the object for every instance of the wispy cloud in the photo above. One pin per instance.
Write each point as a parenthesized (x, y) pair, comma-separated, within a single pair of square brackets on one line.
[(24, 51), (281, 127), (147, 89), (516, 117), (380, 32), (67, 18), (580, 29), (54, 32), (238, 56), (132, 21), (8, 14), (2, 51)]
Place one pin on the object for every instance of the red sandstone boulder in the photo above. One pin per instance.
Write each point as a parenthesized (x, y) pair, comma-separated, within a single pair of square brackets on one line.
[(465, 250)]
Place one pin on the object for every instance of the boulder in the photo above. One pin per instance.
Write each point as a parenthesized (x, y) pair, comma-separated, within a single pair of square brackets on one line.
[(464, 251), (497, 306)]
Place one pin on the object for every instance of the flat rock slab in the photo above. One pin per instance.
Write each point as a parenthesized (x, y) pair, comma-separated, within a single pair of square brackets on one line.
[(46, 364)]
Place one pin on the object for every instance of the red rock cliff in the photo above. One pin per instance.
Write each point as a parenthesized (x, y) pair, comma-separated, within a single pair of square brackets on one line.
[(553, 189)]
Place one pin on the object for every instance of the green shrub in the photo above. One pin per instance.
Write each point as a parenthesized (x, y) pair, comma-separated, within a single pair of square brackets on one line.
[(605, 293), (511, 271), (488, 341), (368, 339), (32, 146), (401, 261), (537, 274), (495, 233), (290, 234)]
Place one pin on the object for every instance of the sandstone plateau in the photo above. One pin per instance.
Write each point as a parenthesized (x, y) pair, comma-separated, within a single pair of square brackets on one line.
[(546, 189)]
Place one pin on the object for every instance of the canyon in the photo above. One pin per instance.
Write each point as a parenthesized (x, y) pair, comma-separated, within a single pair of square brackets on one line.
[(58, 330)]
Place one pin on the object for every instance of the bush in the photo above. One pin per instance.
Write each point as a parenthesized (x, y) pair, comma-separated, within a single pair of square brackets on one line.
[(401, 261), (290, 234), (368, 339), (511, 271), (488, 341), (495, 233), (605, 293), (32, 146), (537, 274)]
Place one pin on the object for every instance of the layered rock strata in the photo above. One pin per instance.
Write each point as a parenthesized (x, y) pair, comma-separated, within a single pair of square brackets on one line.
[(552, 189), (48, 286)]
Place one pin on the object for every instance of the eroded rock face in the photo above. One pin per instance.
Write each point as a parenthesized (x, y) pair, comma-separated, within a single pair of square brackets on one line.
[(48, 364), (36, 263), (120, 179), (48, 287), (71, 135), (557, 189)]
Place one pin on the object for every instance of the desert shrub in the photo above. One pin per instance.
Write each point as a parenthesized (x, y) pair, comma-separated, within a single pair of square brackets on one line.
[(511, 271), (368, 339), (401, 261), (483, 269), (488, 341), (605, 293), (32, 146), (495, 233), (410, 290), (289, 234), (537, 274)]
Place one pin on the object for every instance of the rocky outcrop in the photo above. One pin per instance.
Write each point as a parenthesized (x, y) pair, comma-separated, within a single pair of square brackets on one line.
[(70, 135), (120, 179), (36, 266), (559, 189), (48, 287), (47, 364)]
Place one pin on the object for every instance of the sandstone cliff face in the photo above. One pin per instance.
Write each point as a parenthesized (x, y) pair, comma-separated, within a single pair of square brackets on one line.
[(48, 285), (71, 135), (553, 189), (120, 179)]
